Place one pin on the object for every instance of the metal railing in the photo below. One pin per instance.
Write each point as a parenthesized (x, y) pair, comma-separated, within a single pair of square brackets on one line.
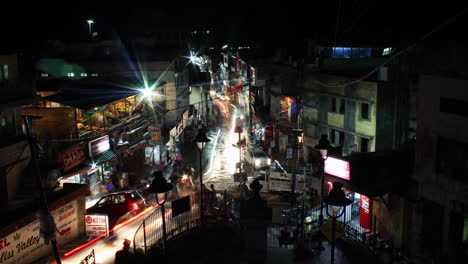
[(150, 234)]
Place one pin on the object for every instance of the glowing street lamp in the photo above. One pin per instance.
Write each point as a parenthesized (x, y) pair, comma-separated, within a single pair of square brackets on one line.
[(336, 202), (90, 21), (160, 185), (201, 141), (147, 92)]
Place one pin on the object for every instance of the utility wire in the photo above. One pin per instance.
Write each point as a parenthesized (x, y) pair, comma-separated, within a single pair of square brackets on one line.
[(425, 36)]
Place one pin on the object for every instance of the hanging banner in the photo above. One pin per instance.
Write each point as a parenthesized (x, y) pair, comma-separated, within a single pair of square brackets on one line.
[(236, 89), (155, 133), (365, 212)]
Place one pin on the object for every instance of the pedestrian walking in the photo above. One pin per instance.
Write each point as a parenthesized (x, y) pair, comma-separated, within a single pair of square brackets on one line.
[(214, 198), (124, 255)]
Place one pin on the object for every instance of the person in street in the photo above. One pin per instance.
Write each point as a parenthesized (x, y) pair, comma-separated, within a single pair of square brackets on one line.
[(214, 198), (244, 191), (206, 197), (124, 255)]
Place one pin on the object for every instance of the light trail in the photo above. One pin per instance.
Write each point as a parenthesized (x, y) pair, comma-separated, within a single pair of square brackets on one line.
[(114, 230), (213, 151)]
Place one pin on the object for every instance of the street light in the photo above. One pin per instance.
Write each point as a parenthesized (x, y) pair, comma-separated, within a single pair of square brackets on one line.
[(160, 185), (201, 141), (90, 21), (336, 202), (323, 147)]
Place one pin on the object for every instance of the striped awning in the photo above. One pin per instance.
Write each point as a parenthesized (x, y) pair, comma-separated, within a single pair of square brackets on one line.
[(108, 155)]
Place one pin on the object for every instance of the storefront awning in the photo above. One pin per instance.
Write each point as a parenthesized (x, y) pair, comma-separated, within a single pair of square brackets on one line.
[(80, 168), (138, 146), (108, 155), (88, 99)]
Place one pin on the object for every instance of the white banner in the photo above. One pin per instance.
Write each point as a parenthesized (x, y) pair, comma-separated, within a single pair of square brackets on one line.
[(25, 245)]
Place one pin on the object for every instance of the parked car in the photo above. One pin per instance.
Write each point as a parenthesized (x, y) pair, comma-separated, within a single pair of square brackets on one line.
[(119, 206)]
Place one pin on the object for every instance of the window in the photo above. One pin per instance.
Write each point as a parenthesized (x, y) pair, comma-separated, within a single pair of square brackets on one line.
[(94, 74), (332, 105), (311, 130), (44, 75), (365, 111), (336, 137), (118, 199), (337, 105), (342, 106), (71, 74), (452, 158), (387, 51), (83, 74), (364, 145)]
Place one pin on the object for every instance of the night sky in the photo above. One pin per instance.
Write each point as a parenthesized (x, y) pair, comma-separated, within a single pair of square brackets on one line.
[(386, 21)]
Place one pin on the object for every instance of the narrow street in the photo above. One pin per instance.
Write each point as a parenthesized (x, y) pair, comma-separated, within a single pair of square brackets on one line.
[(223, 155)]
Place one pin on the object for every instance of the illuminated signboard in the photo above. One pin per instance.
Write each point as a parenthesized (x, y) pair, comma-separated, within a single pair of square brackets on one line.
[(337, 167), (98, 146)]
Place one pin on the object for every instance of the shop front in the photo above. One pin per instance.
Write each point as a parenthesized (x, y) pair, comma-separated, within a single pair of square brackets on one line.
[(359, 213), (72, 165), (104, 164)]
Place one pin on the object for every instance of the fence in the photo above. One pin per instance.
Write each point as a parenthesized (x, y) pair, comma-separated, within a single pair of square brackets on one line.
[(150, 234)]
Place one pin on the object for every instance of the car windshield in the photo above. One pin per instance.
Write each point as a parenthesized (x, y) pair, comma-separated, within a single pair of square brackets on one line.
[(259, 153)]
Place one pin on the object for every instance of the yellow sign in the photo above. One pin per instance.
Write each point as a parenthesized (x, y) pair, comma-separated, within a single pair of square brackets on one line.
[(328, 227)]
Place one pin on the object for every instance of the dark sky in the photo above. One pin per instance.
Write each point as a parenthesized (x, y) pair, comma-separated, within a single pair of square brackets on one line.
[(334, 20)]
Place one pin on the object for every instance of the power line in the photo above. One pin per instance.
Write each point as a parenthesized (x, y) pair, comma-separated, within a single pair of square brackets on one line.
[(425, 36)]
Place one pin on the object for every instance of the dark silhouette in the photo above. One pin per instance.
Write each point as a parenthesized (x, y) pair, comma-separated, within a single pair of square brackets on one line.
[(124, 255)]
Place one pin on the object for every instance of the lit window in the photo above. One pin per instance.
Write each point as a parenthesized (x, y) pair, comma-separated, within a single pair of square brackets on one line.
[(84, 74), (387, 51), (94, 74), (44, 75), (71, 74)]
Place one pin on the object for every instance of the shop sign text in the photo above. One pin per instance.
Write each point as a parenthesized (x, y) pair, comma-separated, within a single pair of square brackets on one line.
[(25, 245), (72, 157)]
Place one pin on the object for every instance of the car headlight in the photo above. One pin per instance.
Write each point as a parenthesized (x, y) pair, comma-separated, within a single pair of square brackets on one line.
[(257, 162)]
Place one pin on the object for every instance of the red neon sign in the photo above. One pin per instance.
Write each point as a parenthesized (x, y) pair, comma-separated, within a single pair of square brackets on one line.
[(337, 167)]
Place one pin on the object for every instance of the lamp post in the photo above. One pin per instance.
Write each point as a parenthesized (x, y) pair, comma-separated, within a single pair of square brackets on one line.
[(201, 141), (323, 147), (90, 22), (160, 185), (336, 202)]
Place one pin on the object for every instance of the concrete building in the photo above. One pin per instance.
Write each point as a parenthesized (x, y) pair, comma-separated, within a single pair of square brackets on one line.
[(15, 153), (440, 215)]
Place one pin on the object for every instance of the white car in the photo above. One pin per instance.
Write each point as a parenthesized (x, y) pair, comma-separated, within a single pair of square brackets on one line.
[(259, 159)]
